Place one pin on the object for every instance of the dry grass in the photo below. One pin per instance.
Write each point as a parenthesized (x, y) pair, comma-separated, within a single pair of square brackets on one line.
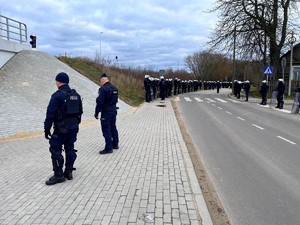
[(129, 80)]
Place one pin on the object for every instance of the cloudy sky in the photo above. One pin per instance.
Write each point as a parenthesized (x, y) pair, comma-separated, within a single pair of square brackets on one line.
[(158, 34)]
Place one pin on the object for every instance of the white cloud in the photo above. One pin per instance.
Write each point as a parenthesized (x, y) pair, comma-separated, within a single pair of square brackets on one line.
[(160, 33)]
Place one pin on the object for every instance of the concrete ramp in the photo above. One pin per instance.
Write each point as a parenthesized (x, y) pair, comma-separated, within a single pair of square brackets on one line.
[(26, 83)]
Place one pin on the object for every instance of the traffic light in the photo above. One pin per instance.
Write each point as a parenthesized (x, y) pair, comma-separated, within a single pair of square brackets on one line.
[(33, 41)]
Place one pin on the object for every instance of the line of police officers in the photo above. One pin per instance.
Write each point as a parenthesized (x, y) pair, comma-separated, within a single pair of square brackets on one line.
[(164, 88)]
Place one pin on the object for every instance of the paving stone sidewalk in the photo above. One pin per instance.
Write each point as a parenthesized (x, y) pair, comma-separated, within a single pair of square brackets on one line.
[(149, 180)]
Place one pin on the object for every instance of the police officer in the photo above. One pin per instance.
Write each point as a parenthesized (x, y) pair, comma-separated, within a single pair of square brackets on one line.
[(106, 103), (155, 87), (218, 84), (162, 88), (263, 91), (147, 86), (280, 90), (64, 111), (247, 89)]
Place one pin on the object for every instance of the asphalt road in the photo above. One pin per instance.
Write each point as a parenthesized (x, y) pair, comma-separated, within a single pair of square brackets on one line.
[(252, 155)]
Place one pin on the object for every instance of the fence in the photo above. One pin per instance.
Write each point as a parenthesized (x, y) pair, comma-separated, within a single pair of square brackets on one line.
[(12, 30)]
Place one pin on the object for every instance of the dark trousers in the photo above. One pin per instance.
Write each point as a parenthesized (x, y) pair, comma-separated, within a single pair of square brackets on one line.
[(57, 141), (109, 129), (247, 95), (280, 101), (263, 99), (154, 93), (148, 95)]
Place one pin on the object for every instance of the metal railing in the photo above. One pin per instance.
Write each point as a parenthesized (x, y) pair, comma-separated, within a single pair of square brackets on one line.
[(12, 30)]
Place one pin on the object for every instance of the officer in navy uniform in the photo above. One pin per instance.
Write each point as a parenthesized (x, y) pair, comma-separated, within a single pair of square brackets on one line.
[(163, 88), (64, 112), (264, 91), (218, 85), (280, 89), (147, 86), (247, 87), (106, 103)]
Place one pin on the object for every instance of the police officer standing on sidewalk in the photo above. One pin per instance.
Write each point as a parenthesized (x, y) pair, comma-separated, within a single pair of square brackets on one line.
[(147, 86), (64, 111), (247, 89), (162, 88), (264, 91), (280, 94), (106, 103)]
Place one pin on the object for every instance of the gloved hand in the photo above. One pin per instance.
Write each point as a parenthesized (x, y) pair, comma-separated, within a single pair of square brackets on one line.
[(96, 116), (47, 134)]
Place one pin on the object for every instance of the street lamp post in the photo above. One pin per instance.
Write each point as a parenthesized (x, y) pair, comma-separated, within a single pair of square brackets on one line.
[(291, 40), (233, 72), (100, 49)]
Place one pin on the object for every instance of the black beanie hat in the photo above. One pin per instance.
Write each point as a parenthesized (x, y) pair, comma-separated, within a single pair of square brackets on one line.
[(62, 77), (103, 75)]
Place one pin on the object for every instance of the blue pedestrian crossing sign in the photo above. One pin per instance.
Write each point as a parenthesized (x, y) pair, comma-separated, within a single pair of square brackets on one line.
[(268, 70)]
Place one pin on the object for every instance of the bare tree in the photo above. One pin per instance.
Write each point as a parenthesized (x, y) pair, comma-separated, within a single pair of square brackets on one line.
[(209, 66), (260, 26)]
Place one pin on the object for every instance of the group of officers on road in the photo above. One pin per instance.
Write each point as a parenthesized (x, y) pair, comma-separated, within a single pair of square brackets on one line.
[(162, 87), (64, 115)]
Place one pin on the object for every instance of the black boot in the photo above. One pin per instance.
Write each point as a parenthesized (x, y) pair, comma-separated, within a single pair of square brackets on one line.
[(55, 179), (68, 174), (105, 152), (281, 106)]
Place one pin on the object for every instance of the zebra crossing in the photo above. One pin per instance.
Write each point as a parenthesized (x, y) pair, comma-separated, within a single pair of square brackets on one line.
[(209, 100)]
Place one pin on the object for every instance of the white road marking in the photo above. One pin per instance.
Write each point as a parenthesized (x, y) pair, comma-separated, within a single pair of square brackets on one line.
[(221, 100), (220, 108), (210, 100), (199, 100), (233, 100), (241, 118), (258, 126), (213, 104), (228, 112), (187, 99), (282, 138)]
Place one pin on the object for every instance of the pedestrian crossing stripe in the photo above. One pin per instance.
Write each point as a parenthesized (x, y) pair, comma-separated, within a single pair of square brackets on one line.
[(210, 100), (221, 100), (268, 70), (187, 99), (232, 100), (199, 100)]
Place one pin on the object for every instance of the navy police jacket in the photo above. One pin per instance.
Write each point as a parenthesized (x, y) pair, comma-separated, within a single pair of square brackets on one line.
[(264, 89), (281, 88), (54, 109), (107, 99)]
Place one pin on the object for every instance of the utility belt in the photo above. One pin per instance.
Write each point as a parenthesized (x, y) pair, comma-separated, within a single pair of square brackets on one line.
[(108, 111), (63, 126)]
